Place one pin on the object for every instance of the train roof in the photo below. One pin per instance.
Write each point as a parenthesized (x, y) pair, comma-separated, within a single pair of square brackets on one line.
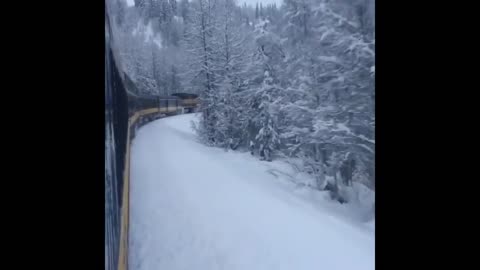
[(165, 97), (185, 95), (145, 96)]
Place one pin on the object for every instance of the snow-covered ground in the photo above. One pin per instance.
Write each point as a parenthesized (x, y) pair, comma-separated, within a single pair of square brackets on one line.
[(202, 208)]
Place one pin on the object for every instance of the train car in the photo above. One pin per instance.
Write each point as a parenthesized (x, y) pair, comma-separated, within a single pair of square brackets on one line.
[(189, 102), (147, 108), (116, 145), (170, 105), (125, 111)]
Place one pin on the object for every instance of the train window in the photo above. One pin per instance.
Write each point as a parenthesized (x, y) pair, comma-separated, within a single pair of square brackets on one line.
[(163, 103)]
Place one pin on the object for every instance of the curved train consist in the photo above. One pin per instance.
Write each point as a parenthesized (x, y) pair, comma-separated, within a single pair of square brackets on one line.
[(125, 111), (146, 108)]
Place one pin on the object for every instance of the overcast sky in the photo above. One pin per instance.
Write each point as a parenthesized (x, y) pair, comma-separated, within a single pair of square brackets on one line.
[(249, 2)]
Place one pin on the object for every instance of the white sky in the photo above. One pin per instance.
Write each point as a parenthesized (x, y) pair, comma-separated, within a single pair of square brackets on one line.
[(249, 2)]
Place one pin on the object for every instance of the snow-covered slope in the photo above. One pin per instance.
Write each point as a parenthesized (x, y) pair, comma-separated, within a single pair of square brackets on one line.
[(196, 207)]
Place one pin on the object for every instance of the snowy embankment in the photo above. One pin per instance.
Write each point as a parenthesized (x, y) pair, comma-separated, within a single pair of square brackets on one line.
[(197, 207)]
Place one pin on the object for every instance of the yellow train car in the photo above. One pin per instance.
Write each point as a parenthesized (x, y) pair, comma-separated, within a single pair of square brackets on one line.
[(188, 101)]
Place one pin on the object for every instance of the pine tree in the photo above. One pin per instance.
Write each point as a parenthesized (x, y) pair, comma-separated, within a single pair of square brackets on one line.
[(174, 80), (183, 9), (230, 71), (332, 68), (261, 102), (267, 138), (203, 49)]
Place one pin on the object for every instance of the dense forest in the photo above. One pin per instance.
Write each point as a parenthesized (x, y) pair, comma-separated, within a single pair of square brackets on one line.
[(293, 82)]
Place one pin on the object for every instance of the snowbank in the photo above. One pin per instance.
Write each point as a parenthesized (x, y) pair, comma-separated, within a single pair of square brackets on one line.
[(198, 207)]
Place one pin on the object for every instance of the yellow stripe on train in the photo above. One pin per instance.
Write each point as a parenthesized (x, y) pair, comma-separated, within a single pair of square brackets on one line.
[(125, 221)]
